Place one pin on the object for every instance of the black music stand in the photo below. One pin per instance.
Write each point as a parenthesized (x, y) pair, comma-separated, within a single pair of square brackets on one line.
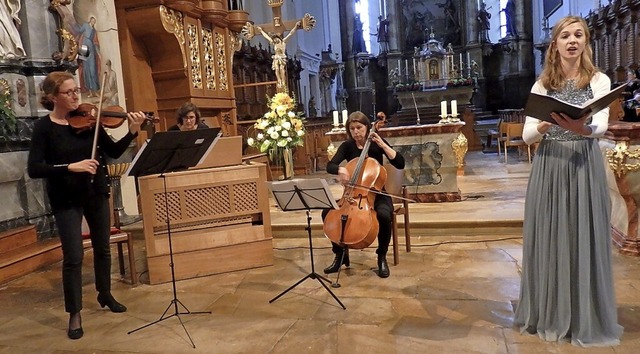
[(305, 195), (169, 152)]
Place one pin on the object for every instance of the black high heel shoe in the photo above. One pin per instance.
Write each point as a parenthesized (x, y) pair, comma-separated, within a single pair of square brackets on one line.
[(106, 299), (338, 261), (75, 333)]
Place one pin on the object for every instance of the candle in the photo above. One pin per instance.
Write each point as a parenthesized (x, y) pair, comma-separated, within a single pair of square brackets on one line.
[(406, 67), (335, 119), (443, 109), (454, 108), (468, 59), (460, 62), (344, 117), (415, 75)]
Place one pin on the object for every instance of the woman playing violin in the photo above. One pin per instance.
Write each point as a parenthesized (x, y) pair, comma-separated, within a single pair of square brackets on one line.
[(358, 127), (77, 186), (188, 116)]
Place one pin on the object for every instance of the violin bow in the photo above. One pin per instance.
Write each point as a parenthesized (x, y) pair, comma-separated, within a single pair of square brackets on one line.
[(382, 193), (95, 133), (94, 147)]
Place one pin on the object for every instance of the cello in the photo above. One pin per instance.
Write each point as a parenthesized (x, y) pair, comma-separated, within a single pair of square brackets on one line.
[(355, 223)]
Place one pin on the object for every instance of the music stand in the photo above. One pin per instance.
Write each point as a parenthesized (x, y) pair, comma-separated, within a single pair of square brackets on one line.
[(305, 194), (169, 152)]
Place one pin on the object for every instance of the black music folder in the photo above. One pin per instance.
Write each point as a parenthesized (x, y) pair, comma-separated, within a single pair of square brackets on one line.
[(173, 151), (540, 106)]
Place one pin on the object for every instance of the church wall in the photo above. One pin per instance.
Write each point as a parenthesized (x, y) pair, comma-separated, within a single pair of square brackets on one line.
[(568, 7)]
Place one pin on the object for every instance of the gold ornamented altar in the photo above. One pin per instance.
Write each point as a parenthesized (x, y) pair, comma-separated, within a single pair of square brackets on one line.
[(433, 154), (621, 148)]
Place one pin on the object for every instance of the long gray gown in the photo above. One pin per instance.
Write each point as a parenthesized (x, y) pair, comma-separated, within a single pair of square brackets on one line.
[(567, 288)]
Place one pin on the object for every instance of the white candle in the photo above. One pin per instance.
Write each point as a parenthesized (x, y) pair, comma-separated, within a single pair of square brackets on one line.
[(344, 117), (461, 62), (443, 109), (335, 119), (415, 75), (406, 67), (454, 108), (468, 60)]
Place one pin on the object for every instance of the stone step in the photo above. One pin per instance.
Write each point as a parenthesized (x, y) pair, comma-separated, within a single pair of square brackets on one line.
[(29, 258), (17, 237)]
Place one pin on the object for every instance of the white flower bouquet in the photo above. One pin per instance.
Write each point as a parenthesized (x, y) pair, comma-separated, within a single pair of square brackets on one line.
[(280, 128)]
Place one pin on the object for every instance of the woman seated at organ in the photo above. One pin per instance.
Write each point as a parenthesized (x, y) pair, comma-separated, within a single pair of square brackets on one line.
[(188, 116)]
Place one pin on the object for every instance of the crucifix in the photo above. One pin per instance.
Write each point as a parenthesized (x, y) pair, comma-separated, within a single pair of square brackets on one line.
[(275, 33)]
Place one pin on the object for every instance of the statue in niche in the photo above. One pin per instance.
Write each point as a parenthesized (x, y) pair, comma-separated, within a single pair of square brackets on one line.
[(312, 107), (10, 41), (483, 19), (358, 38), (510, 15), (383, 34)]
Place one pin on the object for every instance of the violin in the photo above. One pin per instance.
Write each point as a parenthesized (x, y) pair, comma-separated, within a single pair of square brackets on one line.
[(355, 223), (84, 117)]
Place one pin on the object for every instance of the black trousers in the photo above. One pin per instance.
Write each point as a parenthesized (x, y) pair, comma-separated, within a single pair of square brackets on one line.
[(384, 209), (69, 221)]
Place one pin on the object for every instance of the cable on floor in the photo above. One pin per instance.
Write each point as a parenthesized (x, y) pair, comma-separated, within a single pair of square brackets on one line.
[(413, 244)]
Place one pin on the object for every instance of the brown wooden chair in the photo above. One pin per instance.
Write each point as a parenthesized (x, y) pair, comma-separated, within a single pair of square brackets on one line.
[(119, 238), (502, 133), (321, 156), (394, 186), (514, 138)]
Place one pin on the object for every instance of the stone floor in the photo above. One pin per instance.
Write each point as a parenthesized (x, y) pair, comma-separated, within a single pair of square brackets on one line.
[(454, 293)]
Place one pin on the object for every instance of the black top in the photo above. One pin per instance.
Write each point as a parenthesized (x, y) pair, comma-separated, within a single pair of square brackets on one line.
[(349, 150), (55, 146), (201, 125)]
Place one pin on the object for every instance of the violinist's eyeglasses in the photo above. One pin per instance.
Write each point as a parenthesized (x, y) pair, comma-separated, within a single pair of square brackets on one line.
[(75, 91)]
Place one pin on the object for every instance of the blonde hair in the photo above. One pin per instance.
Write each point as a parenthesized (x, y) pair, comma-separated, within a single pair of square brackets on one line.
[(552, 76)]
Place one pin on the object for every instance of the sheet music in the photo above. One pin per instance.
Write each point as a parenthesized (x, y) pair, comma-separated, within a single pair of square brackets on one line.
[(135, 158), (315, 193), (204, 157)]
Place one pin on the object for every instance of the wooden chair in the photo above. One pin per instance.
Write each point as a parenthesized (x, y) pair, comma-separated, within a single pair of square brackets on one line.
[(502, 133), (119, 237), (394, 186), (514, 138), (321, 157)]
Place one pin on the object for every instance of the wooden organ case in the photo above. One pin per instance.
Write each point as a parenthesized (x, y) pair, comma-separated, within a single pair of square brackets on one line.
[(219, 221)]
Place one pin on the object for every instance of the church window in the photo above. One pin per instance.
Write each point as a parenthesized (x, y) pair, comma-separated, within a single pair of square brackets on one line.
[(362, 8)]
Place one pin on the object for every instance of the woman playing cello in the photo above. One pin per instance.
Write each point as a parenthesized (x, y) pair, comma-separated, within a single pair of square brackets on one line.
[(358, 127)]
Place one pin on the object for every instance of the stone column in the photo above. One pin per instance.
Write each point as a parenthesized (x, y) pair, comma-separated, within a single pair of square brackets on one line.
[(394, 14), (471, 25), (520, 18), (634, 35), (618, 49)]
